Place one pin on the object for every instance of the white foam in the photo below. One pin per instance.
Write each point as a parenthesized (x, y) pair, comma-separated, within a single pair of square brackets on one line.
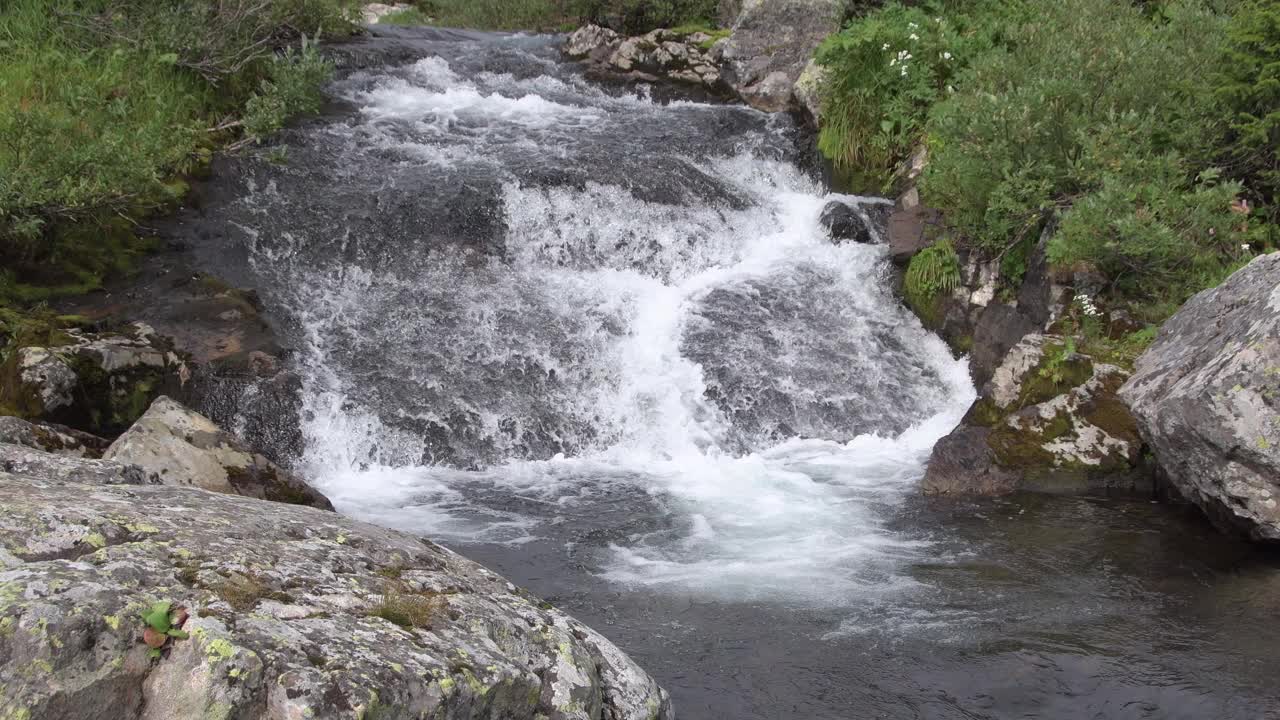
[(801, 520)]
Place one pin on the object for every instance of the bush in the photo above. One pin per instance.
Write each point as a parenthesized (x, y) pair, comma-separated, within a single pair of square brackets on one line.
[(931, 273), (888, 68), (1250, 88), (629, 16), (106, 104), (1107, 117), (291, 87)]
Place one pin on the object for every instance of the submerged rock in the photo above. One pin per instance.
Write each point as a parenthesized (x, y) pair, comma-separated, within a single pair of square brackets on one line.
[(1206, 396), (96, 382), (845, 223), (288, 612), (772, 43), (183, 447), (1048, 420)]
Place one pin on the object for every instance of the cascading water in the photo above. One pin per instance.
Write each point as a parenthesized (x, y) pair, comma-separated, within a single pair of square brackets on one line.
[(604, 344)]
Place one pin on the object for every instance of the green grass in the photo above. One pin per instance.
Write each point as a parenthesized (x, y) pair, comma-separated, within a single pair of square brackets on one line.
[(106, 105), (500, 14), (412, 16)]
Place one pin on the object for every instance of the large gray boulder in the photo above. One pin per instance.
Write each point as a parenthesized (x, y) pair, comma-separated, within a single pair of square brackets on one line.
[(50, 437), (1206, 396), (287, 612), (183, 447), (772, 43)]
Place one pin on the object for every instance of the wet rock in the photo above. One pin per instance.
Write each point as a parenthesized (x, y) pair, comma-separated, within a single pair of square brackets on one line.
[(291, 612), (50, 437), (1049, 420), (772, 43), (1206, 396), (844, 222), (96, 382), (183, 447)]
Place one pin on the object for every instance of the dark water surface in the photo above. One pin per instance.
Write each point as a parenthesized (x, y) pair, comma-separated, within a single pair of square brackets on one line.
[(600, 342)]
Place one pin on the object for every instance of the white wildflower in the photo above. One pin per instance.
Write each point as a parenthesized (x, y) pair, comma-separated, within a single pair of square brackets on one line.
[(950, 89), (893, 61), (1245, 247), (913, 26), (914, 36), (946, 56), (1087, 306), (884, 46), (904, 71)]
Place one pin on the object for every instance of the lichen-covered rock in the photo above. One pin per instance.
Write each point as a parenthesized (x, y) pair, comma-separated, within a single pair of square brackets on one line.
[(291, 613), (50, 437), (1048, 420), (587, 39), (1206, 396), (808, 91), (97, 382), (23, 460), (183, 447), (772, 43), (660, 54)]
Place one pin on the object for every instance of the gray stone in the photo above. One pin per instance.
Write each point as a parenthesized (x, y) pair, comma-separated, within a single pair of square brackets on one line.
[(374, 12), (183, 447), (23, 460), (95, 382), (586, 40), (772, 43), (1206, 396), (290, 613), (808, 91), (1048, 420), (51, 438)]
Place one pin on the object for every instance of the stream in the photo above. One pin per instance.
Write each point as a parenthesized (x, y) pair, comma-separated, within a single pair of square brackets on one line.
[(599, 341)]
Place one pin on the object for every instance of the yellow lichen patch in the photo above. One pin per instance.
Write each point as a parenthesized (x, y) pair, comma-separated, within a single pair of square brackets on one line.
[(112, 621)]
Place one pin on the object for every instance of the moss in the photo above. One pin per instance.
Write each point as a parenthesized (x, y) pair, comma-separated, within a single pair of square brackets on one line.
[(1058, 371), (984, 413), (1106, 412), (1019, 449)]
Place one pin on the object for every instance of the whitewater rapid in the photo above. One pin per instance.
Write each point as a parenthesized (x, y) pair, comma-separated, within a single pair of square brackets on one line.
[(647, 321)]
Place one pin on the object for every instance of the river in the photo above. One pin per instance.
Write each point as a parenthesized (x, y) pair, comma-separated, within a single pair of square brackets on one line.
[(600, 342)]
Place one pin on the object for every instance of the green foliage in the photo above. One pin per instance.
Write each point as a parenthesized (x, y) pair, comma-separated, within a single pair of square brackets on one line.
[(629, 16), (1250, 89), (106, 104), (932, 272), (412, 16), (888, 68), (291, 86), (162, 622)]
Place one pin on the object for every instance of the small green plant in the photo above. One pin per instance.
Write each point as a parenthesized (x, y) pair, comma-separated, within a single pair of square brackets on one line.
[(1056, 357), (291, 87), (162, 622), (933, 271)]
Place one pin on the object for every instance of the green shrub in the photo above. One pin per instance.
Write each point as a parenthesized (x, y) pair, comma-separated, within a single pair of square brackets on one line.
[(106, 104), (412, 16), (933, 272), (292, 86), (1250, 89), (888, 68), (1107, 117), (629, 16)]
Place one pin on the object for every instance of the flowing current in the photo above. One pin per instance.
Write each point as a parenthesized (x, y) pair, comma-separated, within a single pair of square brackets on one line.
[(603, 343)]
